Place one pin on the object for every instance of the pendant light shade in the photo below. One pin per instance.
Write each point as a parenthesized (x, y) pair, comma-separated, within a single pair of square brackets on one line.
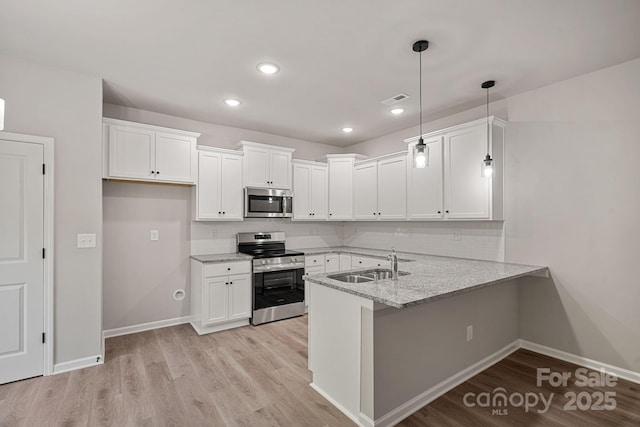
[(420, 151), (487, 163)]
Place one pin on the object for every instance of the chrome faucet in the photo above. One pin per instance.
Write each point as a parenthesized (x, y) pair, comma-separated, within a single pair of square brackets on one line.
[(393, 257)]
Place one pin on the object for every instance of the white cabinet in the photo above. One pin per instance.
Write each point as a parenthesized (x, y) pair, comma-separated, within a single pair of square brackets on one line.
[(454, 188), (331, 263), (358, 261), (424, 186), (139, 152), (380, 188), (345, 262), (341, 185), (218, 194), (310, 190), (220, 295), (266, 166)]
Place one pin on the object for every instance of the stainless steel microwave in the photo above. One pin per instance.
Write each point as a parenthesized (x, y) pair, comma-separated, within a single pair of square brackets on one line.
[(267, 203)]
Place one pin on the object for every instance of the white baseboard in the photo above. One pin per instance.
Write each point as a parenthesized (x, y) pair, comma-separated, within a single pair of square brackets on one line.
[(342, 409), (72, 365), (625, 374), (126, 330), (396, 415), (201, 330)]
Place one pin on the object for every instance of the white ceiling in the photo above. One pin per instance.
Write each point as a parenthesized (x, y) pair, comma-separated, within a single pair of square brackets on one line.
[(339, 58)]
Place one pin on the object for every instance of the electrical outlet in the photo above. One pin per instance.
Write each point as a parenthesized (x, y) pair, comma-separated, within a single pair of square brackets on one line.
[(456, 236), (469, 333), (86, 240), (155, 235)]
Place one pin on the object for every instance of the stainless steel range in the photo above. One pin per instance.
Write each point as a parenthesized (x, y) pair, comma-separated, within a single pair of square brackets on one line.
[(278, 288)]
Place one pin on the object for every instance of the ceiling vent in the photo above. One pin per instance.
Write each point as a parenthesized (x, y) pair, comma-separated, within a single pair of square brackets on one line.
[(395, 99)]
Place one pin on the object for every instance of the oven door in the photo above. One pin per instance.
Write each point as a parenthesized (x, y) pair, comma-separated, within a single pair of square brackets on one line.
[(274, 288), (267, 203)]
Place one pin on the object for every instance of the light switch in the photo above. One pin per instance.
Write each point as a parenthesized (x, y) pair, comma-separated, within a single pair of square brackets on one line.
[(155, 235), (86, 240)]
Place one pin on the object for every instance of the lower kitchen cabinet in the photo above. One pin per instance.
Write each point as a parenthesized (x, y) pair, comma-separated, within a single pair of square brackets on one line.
[(220, 295), (345, 262)]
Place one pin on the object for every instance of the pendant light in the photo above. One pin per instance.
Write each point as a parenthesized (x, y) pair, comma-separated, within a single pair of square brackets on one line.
[(487, 163), (420, 149)]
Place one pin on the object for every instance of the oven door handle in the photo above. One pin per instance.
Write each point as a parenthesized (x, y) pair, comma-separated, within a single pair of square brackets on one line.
[(269, 268)]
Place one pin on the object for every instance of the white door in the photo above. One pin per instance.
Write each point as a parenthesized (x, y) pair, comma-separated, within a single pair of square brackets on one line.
[(340, 189), (173, 158), (232, 187), (280, 167), (301, 186), (318, 196), (466, 190), (256, 167), (365, 189), (239, 297), (424, 186), (131, 152), (392, 188), (208, 188), (215, 300), (21, 263)]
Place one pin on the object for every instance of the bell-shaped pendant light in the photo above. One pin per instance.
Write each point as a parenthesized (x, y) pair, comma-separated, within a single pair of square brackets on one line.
[(420, 150), (487, 163)]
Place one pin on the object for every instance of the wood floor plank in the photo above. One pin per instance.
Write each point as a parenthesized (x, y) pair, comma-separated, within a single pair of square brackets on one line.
[(258, 376)]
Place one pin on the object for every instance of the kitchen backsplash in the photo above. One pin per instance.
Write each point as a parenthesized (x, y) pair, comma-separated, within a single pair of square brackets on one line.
[(480, 240), (219, 237)]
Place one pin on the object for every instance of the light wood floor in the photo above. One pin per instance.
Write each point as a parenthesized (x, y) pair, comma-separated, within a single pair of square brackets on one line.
[(254, 376)]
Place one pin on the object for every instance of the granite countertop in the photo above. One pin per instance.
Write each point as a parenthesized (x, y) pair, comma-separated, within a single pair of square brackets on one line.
[(430, 278), (216, 258)]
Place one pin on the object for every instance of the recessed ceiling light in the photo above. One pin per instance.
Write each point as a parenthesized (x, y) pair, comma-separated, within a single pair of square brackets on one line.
[(396, 111), (347, 130), (232, 102), (268, 68)]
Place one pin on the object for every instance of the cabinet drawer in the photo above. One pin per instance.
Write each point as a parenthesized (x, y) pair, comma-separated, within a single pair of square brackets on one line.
[(313, 260), (366, 262), (225, 269)]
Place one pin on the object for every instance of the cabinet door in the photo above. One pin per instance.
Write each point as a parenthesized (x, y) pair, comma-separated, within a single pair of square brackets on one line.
[(466, 190), (239, 297), (231, 187), (318, 195), (345, 262), (174, 158), (365, 190), (331, 263), (424, 186), (256, 167), (131, 152), (301, 196), (392, 188), (208, 190), (215, 299), (340, 189), (311, 270), (280, 169)]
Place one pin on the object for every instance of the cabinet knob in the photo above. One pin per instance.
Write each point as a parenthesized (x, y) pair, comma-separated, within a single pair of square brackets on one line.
[(379, 213), (223, 213), (446, 211), (359, 262), (315, 260), (231, 283), (228, 268), (226, 283), (157, 172), (374, 213), (330, 214), (439, 212), (152, 172), (219, 212)]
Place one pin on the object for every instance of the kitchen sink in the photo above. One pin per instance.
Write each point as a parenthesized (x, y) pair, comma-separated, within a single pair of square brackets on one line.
[(365, 276)]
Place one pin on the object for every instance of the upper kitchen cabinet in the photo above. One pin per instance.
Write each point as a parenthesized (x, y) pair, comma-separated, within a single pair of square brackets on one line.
[(266, 166), (380, 188), (341, 185), (140, 152), (466, 193), (310, 190), (218, 195)]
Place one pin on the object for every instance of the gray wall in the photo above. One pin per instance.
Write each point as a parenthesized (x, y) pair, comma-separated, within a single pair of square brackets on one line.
[(68, 107), (573, 203), (140, 275)]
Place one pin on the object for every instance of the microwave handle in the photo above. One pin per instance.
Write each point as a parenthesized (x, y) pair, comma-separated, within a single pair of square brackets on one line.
[(285, 205)]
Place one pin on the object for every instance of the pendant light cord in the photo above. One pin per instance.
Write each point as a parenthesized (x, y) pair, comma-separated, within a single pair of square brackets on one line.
[(420, 56), (487, 121)]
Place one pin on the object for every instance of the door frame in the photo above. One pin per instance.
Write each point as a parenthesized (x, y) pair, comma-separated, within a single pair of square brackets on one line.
[(48, 228)]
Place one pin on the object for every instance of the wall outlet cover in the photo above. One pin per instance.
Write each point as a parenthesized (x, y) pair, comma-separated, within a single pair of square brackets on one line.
[(86, 241)]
